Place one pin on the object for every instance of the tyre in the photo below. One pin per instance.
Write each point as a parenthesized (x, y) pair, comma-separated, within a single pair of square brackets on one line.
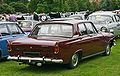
[(104, 29), (107, 51), (74, 61)]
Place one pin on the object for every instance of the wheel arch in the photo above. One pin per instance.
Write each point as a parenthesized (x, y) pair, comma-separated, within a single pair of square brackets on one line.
[(71, 63), (80, 53), (111, 42)]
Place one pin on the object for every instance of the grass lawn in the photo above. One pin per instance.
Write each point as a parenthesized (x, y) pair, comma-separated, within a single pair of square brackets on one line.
[(95, 66)]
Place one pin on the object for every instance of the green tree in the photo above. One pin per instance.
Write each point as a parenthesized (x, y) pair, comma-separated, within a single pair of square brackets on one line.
[(42, 8), (9, 1), (94, 6), (105, 5), (46, 6), (114, 5), (1, 1), (66, 7), (19, 7), (86, 5), (32, 5), (24, 1), (81, 6), (5, 8), (118, 3), (57, 6), (73, 5)]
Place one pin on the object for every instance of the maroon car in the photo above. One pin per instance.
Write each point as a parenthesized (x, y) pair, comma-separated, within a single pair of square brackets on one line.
[(64, 42)]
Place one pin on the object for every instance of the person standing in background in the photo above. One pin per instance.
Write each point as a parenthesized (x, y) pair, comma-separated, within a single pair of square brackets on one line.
[(87, 14), (44, 17), (4, 17), (35, 16), (12, 18)]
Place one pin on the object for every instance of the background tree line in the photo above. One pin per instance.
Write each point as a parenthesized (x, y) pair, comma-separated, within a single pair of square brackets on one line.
[(47, 6)]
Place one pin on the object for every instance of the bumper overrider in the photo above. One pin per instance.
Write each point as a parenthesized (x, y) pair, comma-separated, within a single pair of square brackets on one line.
[(35, 59)]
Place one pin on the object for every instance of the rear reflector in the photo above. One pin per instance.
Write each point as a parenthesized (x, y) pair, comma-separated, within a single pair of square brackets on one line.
[(56, 51), (8, 45)]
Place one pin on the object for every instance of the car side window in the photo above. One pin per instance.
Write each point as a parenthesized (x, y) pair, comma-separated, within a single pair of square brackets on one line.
[(90, 28), (3, 30), (14, 29), (117, 18), (82, 29)]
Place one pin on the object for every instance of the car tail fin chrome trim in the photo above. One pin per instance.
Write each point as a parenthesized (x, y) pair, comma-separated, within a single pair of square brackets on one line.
[(8, 46)]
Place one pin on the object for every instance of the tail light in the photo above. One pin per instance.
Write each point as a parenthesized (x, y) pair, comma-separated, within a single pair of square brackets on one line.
[(8, 46), (56, 50)]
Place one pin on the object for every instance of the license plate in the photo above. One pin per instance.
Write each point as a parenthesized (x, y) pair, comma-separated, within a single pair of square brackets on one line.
[(30, 54)]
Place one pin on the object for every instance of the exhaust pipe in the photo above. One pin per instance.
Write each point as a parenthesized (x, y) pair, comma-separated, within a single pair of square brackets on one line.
[(39, 64)]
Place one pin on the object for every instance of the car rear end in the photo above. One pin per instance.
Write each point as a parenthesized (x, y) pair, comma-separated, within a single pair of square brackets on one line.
[(35, 54)]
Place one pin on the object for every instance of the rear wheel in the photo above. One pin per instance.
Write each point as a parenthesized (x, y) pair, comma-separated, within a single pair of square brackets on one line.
[(108, 50), (74, 61), (104, 29)]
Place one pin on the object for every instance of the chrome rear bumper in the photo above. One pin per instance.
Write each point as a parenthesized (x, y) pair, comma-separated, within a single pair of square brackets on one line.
[(36, 59)]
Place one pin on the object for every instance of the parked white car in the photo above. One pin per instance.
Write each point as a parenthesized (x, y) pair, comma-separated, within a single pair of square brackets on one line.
[(106, 21)]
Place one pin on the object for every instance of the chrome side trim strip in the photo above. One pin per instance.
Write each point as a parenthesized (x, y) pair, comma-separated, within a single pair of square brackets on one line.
[(93, 55)]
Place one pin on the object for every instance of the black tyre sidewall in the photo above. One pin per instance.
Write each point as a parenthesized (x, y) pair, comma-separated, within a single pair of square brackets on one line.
[(70, 65), (106, 53)]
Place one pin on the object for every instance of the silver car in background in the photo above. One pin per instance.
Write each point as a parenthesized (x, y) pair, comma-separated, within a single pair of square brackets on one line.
[(27, 25), (106, 21)]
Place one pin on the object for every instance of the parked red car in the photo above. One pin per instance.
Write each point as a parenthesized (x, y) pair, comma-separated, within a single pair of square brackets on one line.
[(64, 42)]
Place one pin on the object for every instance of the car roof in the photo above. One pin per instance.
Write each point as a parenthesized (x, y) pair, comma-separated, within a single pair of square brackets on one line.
[(4, 22), (62, 19), (73, 22), (110, 13), (27, 20)]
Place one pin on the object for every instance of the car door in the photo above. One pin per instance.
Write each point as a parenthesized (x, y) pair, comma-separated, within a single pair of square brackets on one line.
[(97, 39), (117, 27), (4, 36), (85, 40)]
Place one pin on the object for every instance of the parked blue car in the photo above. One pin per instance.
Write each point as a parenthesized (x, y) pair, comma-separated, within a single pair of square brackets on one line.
[(8, 30)]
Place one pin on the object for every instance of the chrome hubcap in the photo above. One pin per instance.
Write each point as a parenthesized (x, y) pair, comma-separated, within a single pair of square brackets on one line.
[(74, 59), (108, 49)]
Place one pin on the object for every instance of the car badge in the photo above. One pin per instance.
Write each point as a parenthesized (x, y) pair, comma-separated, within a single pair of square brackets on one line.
[(30, 47)]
